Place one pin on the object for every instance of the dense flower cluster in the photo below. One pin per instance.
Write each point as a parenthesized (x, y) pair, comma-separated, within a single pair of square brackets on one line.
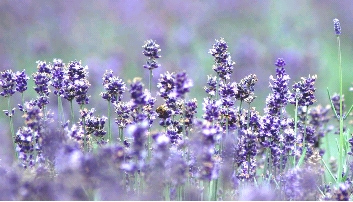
[(303, 91), (231, 151), (75, 83), (114, 86), (151, 49), (8, 83), (223, 64)]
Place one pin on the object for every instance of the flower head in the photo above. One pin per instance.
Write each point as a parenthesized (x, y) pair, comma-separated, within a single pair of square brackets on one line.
[(57, 76), (337, 26), (151, 49), (223, 64), (114, 86), (21, 81), (8, 83), (303, 91)]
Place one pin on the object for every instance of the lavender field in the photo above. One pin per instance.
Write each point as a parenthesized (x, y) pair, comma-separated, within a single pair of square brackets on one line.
[(159, 100)]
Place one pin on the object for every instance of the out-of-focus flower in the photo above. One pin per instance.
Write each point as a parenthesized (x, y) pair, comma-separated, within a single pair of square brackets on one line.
[(182, 84), (25, 146), (337, 26), (336, 103)]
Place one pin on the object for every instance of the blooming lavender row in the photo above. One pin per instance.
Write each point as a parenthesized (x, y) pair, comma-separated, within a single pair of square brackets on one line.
[(230, 151)]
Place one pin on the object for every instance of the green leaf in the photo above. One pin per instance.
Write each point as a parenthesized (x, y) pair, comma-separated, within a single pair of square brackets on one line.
[(301, 160), (332, 106)]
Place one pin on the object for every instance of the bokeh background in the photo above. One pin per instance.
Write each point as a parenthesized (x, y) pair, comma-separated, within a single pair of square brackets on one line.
[(108, 34)]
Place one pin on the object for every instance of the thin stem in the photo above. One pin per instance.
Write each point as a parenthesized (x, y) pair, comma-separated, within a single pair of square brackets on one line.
[(340, 164), (84, 132), (217, 87), (72, 112), (121, 134), (295, 129), (150, 81), (11, 125), (109, 126)]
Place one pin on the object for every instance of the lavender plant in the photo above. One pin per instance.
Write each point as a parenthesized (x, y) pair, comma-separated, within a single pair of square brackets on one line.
[(231, 151)]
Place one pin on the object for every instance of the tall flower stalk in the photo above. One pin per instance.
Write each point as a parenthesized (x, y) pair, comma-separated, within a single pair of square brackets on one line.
[(115, 88), (337, 28), (151, 49)]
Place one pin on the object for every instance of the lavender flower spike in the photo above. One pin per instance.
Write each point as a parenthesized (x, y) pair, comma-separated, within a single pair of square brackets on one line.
[(8, 83), (337, 26)]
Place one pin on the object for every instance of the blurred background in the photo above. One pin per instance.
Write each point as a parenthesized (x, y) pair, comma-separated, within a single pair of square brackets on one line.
[(108, 34)]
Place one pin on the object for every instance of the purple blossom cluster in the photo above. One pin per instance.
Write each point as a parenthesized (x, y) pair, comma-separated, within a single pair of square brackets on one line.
[(226, 153), (223, 64)]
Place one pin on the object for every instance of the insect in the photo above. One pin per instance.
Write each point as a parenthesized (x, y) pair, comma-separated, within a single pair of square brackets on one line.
[(162, 111)]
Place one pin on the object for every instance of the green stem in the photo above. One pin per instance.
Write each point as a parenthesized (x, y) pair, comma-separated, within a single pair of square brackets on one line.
[(295, 130), (121, 134), (84, 132), (167, 192), (341, 155), (217, 87), (11, 125), (109, 126), (72, 112)]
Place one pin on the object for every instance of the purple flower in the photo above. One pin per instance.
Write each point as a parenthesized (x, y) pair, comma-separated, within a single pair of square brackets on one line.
[(21, 81), (151, 49), (223, 64), (161, 150), (227, 92), (42, 82), (337, 26), (138, 132), (300, 184), (33, 115), (8, 83), (138, 95), (123, 111), (166, 84), (114, 87), (95, 126), (245, 89), (211, 109), (304, 92), (212, 85), (68, 90), (58, 76), (75, 71), (190, 111), (276, 101), (182, 84), (25, 145), (81, 89), (43, 67), (204, 143)]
